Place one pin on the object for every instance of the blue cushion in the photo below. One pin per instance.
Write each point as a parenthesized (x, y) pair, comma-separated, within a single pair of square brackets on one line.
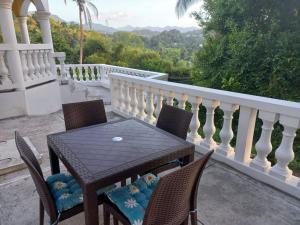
[(132, 200), (66, 191)]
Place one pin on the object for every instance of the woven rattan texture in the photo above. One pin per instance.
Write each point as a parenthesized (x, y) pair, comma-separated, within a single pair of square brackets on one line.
[(84, 114), (174, 120), (93, 155)]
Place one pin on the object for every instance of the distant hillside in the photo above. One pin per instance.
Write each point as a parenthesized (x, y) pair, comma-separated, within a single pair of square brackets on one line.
[(158, 29)]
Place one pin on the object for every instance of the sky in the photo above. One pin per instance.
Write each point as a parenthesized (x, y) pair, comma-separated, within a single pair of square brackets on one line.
[(119, 13)]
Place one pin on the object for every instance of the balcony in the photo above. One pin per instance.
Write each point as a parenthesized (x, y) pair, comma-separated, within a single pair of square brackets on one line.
[(237, 187)]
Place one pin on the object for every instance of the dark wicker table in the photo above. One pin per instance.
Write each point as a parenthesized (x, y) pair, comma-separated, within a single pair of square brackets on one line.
[(96, 161)]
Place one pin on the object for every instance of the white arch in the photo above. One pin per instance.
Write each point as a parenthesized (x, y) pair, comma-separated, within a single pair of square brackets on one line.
[(41, 5)]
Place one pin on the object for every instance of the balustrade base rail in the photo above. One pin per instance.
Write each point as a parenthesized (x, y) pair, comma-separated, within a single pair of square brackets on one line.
[(142, 98)]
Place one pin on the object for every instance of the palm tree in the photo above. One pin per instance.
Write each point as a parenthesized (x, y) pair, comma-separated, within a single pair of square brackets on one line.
[(183, 5), (85, 9)]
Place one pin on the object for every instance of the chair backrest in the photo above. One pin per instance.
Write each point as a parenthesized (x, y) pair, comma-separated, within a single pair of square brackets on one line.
[(83, 114), (175, 194), (174, 120), (37, 175)]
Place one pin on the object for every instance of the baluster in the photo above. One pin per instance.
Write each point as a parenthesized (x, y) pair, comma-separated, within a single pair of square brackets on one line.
[(115, 94), (195, 123), (170, 98), (182, 98), (86, 73), (24, 65), (30, 65), (36, 64), (4, 73), (121, 96), (264, 145), (226, 133), (127, 99), (47, 63), (285, 154), (209, 127), (141, 103), (159, 101), (93, 76), (150, 106), (134, 101), (41, 63)]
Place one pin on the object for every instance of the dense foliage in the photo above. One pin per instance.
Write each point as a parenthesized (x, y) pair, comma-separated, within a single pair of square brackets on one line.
[(252, 46)]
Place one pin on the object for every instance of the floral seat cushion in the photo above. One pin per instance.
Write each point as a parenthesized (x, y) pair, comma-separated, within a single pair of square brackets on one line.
[(66, 191), (132, 200)]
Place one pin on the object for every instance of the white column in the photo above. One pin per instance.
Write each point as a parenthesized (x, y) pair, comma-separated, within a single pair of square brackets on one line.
[(181, 98), (209, 128), (9, 37), (43, 19), (195, 123), (245, 133), (134, 101), (264, 145), (127, 99), (170, 98), (159, 102), (226, 133), (141, 103), (22, 20), (285, 154), (150, 106)]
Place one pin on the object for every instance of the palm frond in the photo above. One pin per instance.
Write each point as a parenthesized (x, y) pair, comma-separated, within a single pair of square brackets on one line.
[(183, 5), (93, 7), (89, 18)]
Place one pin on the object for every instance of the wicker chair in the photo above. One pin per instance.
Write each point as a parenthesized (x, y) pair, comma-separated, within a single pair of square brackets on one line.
[(173, 199), (47, 201), (83, 114), (175, 121)]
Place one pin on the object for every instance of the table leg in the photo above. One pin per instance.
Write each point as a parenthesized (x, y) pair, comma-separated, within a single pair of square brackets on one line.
[(187, 159), (90, 206), (54, 161)]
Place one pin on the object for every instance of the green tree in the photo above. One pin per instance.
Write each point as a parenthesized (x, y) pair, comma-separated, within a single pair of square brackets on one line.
[(251, 46)]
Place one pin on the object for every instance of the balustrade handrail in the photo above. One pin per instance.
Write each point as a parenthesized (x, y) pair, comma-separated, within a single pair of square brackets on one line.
[(5, 47), (28, 47), (262, 103)]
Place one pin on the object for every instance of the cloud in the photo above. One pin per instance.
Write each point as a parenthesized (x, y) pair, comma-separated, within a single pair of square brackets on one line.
[(114, 16)]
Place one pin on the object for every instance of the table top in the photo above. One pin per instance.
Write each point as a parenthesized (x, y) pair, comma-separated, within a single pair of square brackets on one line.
[(93, 156)]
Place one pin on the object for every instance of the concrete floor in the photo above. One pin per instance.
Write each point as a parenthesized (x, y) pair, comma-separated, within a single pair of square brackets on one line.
[(226, 197)]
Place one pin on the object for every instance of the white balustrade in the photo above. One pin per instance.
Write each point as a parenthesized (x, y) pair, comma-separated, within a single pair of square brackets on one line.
[(226, 133), (159, 101), (195, 123), (141, 103), (134, 101), (150, 106), (238, 157), (181, 98), (209, 127), (24, 65), (42, 63), (285, 154), (36, 63), (127, 100), (5, 81), (264, 145)]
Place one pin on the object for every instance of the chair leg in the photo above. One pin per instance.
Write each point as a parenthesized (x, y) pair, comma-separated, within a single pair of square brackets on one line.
[(106, 216), (41, 213), (194, 218), (116, 222), (123, 183), (186, 221)]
